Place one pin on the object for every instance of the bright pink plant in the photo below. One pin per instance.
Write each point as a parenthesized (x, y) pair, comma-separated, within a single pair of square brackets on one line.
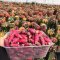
[(32, 37)]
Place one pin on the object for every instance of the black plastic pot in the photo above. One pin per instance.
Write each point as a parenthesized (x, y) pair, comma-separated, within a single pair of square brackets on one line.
[(3, 54), (57, 55)]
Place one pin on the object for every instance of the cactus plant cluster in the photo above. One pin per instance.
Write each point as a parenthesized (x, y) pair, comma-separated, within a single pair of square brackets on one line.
[(37, 16)]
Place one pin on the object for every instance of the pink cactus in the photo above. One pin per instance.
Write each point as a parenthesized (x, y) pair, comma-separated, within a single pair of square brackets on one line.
[(31, 30), (33, 37)]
